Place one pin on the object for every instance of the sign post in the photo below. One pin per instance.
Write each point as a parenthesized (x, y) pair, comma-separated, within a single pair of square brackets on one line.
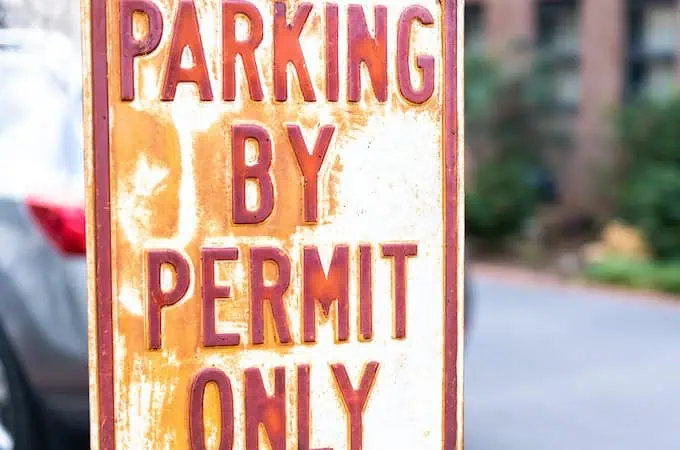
[(275, 223)]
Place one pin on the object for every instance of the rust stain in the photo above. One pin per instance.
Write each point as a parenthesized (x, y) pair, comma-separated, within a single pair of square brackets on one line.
[(314, 24), (334, 185), (171, 188), (157, 147)]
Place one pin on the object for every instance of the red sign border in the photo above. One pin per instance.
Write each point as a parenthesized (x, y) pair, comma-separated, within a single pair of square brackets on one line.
[(102, 229)]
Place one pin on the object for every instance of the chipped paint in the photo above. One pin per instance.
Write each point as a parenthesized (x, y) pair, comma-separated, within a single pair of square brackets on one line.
[(171, 187)]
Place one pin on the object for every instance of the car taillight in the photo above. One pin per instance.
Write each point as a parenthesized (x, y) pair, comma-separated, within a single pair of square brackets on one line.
[(64, 226)]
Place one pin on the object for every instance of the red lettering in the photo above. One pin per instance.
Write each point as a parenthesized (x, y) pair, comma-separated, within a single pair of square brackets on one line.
[(273, 292), (186, 34), (365, 292), (368, 50), (157, 298), (210, 292), (304, 413), (355, 400), (130, 48), (400, 252), (196, 430), (424, 62), (310, 164), (287, 50), (231, 47), (325, 289), (332, 37), (258, 171), (270, 411)]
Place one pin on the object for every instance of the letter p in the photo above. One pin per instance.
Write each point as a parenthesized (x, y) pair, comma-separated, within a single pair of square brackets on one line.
[(130, 47), (157, 297)]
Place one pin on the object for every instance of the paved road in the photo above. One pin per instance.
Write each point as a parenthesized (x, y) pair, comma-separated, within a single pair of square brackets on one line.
[(560, 368)]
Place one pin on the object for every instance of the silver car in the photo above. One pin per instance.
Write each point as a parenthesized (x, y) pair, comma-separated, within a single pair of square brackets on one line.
[(43, 307)]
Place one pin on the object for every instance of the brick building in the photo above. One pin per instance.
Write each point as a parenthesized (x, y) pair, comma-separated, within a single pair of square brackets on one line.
[(602, 51)]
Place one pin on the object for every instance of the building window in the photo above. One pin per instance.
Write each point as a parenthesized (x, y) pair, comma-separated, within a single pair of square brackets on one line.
[(652, 37), (474, 28), (558, 39)]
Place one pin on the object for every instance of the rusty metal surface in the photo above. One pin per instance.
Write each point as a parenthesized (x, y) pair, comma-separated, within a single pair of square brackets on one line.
[(274, 224)]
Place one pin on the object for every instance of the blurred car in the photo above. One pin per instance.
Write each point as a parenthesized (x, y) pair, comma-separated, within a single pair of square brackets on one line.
[(43, 307)]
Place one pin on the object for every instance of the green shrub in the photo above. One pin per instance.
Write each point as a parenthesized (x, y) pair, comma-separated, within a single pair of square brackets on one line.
[(649, 198), (505, 130), (656, 276), (501, 200), (648, 132), (482, 78)]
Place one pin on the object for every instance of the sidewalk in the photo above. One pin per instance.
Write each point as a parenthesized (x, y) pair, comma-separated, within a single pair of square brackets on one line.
[(561, 366), (523, 276)]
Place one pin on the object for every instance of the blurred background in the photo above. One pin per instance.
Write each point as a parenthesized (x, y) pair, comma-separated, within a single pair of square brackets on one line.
[(572, 223), (572, 136)]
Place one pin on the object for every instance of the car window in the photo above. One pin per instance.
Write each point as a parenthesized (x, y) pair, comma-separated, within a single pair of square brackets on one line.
[(40, 115)]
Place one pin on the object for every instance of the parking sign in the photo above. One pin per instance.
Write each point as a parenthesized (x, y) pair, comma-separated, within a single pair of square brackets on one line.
[(274, 223)]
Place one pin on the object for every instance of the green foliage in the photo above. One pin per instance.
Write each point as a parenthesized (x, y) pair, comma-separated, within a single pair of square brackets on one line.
[(636, 274), (649, 134), (650, 200), (501, 201), (505, 130), (482, 79)]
